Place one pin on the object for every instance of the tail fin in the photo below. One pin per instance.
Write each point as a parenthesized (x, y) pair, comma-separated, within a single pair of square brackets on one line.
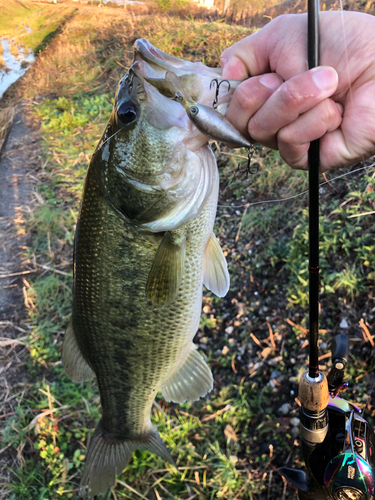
[(108, 457)]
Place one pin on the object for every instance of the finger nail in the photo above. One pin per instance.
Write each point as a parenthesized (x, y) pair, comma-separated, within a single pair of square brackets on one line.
[(325, 78), (340, 107), (270, 81)]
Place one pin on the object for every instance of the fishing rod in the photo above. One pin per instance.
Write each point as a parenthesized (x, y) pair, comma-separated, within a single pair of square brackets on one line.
[(338, 444)]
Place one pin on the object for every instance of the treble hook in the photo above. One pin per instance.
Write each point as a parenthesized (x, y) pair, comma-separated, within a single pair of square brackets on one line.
[(248, 169), (216, 81), (250, 153)]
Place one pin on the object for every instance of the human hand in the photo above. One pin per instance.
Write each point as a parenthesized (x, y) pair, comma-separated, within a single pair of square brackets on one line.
[(288, 106)]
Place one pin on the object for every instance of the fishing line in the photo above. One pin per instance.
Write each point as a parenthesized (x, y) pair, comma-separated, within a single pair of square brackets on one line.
[(247, 205), (100, 147), (346, 52)]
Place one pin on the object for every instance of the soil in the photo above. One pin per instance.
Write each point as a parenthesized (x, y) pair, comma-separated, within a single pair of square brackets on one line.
[(19, 158)]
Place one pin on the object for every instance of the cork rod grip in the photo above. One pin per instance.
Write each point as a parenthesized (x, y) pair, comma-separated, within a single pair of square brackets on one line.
[(313, 395)]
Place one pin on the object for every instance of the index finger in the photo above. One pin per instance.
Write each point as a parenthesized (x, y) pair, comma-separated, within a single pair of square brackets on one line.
[(241, 60), (280, 47)]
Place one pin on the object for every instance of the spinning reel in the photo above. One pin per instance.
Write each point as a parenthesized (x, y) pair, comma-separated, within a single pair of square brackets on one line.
[(338, 444)]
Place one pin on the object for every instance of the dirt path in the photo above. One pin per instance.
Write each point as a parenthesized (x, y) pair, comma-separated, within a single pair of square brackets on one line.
[(19, 158)]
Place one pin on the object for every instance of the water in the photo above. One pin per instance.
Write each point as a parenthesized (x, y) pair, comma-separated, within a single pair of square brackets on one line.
[(28, 30), (15, 66)]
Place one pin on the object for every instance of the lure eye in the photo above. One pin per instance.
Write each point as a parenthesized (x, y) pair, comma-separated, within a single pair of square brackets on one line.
[(127, 112), (194, 110)]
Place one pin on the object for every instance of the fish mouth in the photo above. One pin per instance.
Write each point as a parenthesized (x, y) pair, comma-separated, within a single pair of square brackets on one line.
[(153, 64), (147, 52), (191, 85), (144, 50)]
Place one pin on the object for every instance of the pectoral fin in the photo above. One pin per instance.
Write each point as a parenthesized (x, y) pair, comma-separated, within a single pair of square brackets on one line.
[(215, 269), (74, 363), (167, 269), (191, 381)]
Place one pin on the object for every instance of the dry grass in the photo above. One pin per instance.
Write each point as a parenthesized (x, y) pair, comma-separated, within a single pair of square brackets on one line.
[(14, 49), (91, 54), (42, 22), (6, 120)]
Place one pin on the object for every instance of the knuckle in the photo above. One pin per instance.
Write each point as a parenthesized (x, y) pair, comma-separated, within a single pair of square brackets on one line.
[(244, 98), (294, 156), (279, 21), (261, 133), (297, 164), (290, 96), (290, 135), (256, 131), (226, 53), (285, 135)]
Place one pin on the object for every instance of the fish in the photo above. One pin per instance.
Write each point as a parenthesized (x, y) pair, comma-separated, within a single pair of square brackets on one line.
[(144, 245)]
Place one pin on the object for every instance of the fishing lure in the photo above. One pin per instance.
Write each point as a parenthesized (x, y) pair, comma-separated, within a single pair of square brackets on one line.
[(251, 149)]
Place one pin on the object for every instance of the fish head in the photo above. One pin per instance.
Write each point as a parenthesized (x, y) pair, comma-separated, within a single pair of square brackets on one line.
[(145, 162), (198, 88)]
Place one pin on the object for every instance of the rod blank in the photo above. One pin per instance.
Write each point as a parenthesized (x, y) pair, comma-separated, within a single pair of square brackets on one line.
[(314, 160)]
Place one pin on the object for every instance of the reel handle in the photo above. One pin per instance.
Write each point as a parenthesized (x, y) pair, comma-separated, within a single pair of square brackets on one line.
[(340, 356)]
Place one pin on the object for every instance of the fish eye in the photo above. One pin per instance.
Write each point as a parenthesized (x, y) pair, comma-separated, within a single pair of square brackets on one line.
[(194, 110), (127, 112)]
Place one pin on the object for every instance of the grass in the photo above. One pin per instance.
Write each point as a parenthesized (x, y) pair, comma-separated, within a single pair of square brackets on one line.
[(346, 237), (42, 20), (86, 61), (230, 443)]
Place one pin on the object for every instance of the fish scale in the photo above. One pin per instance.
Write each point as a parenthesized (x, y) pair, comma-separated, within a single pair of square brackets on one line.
[(124, 283)]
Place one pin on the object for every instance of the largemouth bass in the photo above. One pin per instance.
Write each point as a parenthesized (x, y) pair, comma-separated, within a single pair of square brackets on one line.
[(143, 247)]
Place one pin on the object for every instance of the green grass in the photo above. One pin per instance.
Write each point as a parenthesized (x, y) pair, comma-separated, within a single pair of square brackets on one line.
[(347, 251), (228, 443)]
